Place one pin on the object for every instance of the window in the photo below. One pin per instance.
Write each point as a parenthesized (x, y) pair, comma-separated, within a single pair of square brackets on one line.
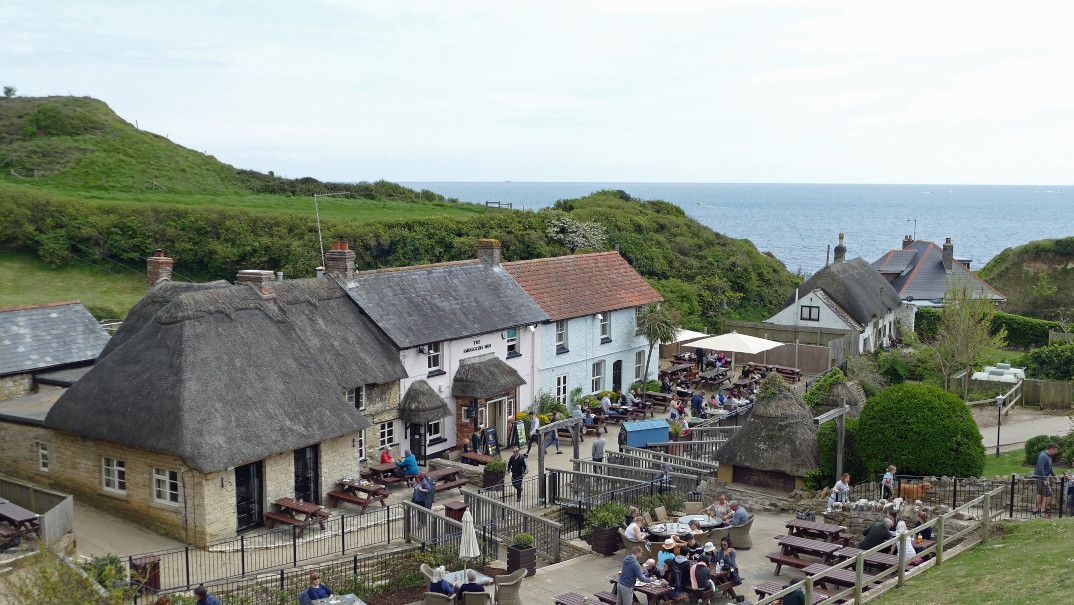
[(113, 475), (810, 313), (435, 359), (165, 486), (42, 456), (561, 336), (639, 366), (387, 433), (561, 389), (362, 456), (598, 377), (512, 343), (434, 430), (637, 320), (355, 397), (606, 326)]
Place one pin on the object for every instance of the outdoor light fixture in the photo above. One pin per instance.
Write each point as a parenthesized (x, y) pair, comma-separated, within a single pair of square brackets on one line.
[(599, 316), (999, 419), (423, 350), (533, 328)]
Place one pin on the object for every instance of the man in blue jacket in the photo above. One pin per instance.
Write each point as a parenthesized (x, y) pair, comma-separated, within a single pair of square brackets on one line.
[(408, 465), (1044, 476), (632, 572)]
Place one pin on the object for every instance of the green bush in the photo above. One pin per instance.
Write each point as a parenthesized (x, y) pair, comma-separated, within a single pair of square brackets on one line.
[(496, 465), (609, 514), (772, 386), (1036, 444), (522, 540), (828, 444), (1051, 363), (869, 388), (815, 479), (818, 391), (1022, 332), (922, 430), (893, 367), (671, 501)]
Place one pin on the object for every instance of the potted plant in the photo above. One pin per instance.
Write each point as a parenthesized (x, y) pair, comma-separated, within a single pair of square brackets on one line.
[(604, 521), (522, 554), (493, 473)]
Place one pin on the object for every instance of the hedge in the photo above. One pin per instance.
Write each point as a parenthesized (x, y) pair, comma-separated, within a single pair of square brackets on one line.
[(1022, 332)]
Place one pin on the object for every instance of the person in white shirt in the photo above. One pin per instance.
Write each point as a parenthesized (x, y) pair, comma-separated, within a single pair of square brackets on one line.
[(535, 423)]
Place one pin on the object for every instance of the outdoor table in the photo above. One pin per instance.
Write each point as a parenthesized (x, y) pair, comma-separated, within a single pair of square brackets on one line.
[(460, 577), (347, 599), (658, 396), (19, 518), (795, 545), (669, 528), (445, 474), (882, 560), (702, 520), (815, 530), (656, 593), (675, 369), (839, 577), (370, 493), (571, 598), (289, 507), (384, 473), (475, 458), (455, 509)]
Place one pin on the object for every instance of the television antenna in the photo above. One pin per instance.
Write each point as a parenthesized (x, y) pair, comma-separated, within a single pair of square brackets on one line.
[(317, 211), (914, 221)]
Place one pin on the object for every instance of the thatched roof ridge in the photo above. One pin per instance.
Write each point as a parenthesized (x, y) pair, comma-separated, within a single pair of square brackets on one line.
[(855, 286), (779, 435), (422, 404), (484, 376), (143, 311)]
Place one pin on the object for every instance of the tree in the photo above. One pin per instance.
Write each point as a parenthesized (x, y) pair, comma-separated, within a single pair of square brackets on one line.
[(9, 91), (922, 430), (716, 297), (1055, 362), (963, 336), (659, 325)]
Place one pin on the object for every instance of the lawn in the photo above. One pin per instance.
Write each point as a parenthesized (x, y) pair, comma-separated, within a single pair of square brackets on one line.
[(26, 280), (1010, 463), (1031, 564)]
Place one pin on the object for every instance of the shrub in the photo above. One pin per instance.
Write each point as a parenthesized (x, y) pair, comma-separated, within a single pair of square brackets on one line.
[(922, 430), (522, 540), (828, 444), (671, 502), (893, 367), (609, 514), (1036, 444), (1052, 363), (869, 388), (652, 385), (818, 391), (1022, 332), (772, 386), (815, 479), (496, 465)]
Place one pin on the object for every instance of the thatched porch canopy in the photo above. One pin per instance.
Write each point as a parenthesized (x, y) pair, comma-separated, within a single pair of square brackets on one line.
[(483, 376), (422, 404)]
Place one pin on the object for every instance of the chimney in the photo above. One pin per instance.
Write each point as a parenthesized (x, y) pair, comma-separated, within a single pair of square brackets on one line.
[(840, 251), (906, 241), (158, 267), (262, 280), (948, 255), (339, 261), (488, 250)]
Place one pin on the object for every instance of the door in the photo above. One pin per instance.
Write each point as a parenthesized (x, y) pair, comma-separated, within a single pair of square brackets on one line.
[(497, 416), (248, 504), (417, 442), (617, 375), (307, 475)]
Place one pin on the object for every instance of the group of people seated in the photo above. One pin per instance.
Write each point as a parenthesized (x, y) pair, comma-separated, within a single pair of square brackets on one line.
[(890, 526), (683, 565), (439, 584), (624, 402), (731, 512)]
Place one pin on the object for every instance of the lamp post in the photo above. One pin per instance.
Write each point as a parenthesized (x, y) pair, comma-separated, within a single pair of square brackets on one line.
[(999, 419)]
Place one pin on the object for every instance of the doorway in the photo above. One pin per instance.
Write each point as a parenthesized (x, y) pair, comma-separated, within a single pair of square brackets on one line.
[(617, 375), (497, 417), (307, 474), (248, 504)]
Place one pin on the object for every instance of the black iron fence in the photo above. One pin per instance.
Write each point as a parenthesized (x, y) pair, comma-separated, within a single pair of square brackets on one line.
[(1020, 492), (571, 513), (506, 521), (524, 495)]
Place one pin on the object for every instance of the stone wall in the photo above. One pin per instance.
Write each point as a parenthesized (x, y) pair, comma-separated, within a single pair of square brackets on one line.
[(381, 405), (16, 385)]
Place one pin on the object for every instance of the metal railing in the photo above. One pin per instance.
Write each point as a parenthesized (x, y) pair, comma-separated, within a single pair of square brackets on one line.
[(571, 513), (1020, 492), (713, 433), (698, 450), (570, 486), (659, 457), (526, 495), (504, 520), (678, 481), (990, 507), (629, 460)]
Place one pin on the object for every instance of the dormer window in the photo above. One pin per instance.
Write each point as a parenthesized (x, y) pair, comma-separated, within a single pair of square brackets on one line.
[(355, 397)]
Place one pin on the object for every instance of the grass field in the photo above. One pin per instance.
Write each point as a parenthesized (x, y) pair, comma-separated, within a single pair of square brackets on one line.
[(1030, 565), (25, 280), (1011, 463)]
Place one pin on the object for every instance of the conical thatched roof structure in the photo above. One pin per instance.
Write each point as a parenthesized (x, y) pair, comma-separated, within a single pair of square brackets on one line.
[(779, 435), (840, 392)]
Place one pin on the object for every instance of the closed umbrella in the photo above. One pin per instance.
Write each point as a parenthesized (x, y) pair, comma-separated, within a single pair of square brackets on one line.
[(736, 343), (468, 546)]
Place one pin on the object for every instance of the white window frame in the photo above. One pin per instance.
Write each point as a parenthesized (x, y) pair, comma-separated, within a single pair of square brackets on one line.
[(561, 334), (386, 433), (113, 475), (435, 356), (512, 341), (637, 321), (438, 425), (598, 376), (362, 455), (606, 325), (356, 397), (163, 485), (561, 389), (639, 368), (42, 456), (813, 315)]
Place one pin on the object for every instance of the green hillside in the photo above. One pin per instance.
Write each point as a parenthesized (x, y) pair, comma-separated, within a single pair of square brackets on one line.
[(27, 280), (1037, 278)]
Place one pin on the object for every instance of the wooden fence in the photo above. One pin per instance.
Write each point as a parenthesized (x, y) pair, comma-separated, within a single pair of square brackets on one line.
[(1049, 394), (677, 481), (1054, 337), (811, 359), (783, 333), (659, 457), (57, 509)]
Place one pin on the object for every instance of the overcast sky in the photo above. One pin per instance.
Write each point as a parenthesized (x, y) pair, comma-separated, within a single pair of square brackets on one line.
[(612, 90)]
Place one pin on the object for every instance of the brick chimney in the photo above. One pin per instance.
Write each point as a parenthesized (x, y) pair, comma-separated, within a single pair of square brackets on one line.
[(840, 251), (488, 250), (262, 280), (158, 267), (906, 241), (339, 261), (948, 255)]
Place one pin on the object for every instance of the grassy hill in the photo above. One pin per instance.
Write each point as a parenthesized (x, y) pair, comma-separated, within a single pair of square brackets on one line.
[(27, 280), (1037, 278)]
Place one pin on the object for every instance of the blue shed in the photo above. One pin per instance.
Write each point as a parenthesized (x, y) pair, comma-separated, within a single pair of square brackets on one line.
[(644, 432)]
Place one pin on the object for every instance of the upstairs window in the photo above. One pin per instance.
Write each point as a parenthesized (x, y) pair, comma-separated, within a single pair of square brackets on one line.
[(355, 397), (810, 313), (606, 326), (42, 456), (436, 360), (512, 343), (561, 335)]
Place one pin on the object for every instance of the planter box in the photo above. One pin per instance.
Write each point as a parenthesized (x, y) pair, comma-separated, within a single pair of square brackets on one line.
[(522, 558), (604, 540), (488, 479)]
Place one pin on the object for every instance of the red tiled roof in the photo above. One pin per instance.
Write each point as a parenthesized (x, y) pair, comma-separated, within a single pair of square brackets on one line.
[(583, 284)]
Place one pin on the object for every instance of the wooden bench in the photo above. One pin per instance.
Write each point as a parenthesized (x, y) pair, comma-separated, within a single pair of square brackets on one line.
[(475, 458), (443, 487), (781, 559), (360, 501), (699, 595), (769, 588), (605, 597), (844, 538), (389, 480), (274, 518)]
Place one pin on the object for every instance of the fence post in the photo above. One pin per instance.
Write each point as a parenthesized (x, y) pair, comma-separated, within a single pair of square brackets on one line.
[(186, 552), (343, 534), (283, 580), (354, 565), (1012, 496), (406, 523), (902, 559), (242, 554), (294, 545), (809, 589), (954, 494), (939, 540), (859, 568), (986, 522)]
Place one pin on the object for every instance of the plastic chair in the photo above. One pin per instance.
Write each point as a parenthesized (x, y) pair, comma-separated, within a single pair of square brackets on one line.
[(507, 587)]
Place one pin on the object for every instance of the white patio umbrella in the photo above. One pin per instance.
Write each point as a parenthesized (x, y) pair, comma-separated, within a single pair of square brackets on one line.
[(736, 343), (468, 546), (687, 336)]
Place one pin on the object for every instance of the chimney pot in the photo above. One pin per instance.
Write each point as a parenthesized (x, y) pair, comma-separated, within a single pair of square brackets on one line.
[(344, 245), (262, 280), (158, 267), (948, 254), (339, 261), (488, 250), (906, 241), (335, 245)]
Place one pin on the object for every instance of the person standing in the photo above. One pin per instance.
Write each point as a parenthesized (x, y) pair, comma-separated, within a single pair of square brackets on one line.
[(535, 423), (598, 447), (697, 404), (628, 577), (555, 434), (1044, 476), (887, 483), (423, 494), (516, 466)]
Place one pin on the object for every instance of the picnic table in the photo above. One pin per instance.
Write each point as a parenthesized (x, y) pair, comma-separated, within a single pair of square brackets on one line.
[(288, 511), (447, 478), (383, 473), (21, 520), (347, 599), (839, 577), (769, 587), (816, 531), (475, 458), (675, 369), (460, 577), (881, 560), (362, 493), (656, 593), (796, 545)]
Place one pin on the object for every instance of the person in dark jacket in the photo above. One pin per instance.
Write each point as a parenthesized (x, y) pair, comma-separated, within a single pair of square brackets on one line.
[(204, 598), (631, 573), (877, 534), (1044, 475), (317, 590), (471, 584), (516, 467)]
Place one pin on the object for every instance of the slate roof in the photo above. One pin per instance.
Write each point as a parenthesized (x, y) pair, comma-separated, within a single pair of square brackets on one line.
[(582, 284), (44, 336), (431, 303), (923, 276), (223, 376), (855, 287), (29, 409)]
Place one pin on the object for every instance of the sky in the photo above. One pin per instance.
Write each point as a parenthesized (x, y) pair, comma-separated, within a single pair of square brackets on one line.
[(583, 90)]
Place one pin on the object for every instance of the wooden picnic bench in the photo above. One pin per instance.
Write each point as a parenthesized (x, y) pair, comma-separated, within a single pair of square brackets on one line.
[(349, 489), (447, 478), (839, 577), (475, 458), (287, 510), (781, 559), (769, 587), (796, 545), (383, 473), (815, 530), (20, 519), (605, 597)]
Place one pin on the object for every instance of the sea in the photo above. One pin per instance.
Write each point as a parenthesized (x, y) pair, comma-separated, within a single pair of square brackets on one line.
[(798, 222)]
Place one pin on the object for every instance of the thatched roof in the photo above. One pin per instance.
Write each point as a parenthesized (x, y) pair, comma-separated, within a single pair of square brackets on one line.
[(422, 404), (484, 376), (855, 286), (143, 311), (223, 376), (843, 391), (779, 435)]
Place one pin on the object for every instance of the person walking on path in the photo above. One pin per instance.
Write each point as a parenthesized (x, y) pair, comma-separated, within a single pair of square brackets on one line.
[(555, 434), (887, 484), (598, 447), (629, 576), (535, 423), (1044, 476), (517, 467)]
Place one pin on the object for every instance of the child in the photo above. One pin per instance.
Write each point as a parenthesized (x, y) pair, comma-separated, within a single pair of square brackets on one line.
[(840, 491), (887, 483)]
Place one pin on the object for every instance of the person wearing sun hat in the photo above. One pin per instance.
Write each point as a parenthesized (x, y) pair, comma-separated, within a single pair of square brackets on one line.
[(710, 548), (666, 553)]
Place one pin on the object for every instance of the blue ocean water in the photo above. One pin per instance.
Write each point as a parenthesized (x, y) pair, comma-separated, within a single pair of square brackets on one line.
[(796, 223)]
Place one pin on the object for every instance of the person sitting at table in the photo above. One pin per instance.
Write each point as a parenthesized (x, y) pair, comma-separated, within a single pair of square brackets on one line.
[(407, 466), (690, 547), (739, 516), (636, 530), (471, 584), (725, 556), (589, 418), (877, 534), (719, 509), (665, 386), (316, 590), (794, 598), (606, 404), (713, 402), (701, 575), (923, 518), (721, 360), (680, 407), (667, 553), (632, 512), (695, 528), (439, 585), (385, 455), (578, 413)]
